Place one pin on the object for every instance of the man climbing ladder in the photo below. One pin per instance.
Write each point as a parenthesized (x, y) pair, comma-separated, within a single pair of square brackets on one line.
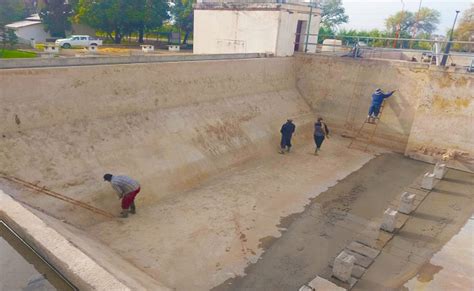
[(377, 99)]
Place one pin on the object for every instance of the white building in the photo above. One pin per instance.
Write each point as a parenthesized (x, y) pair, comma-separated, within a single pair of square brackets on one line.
[(33, 28), (264, 27), (30, 28)]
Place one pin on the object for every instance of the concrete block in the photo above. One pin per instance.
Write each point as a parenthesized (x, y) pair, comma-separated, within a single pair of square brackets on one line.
[(343, 265), (389, 220), (361, 260), (439, 170), (173, 48), (407, 203), (148, 48), (321, 284), (305, 288), (93, 49), (51, 49), (363, 250), (428, 181)]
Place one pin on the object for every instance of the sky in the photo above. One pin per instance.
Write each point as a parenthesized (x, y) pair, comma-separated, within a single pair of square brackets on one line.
[(370, 14)]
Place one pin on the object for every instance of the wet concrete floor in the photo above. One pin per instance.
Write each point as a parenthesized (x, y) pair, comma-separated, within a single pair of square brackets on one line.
[(329, 223), (437, 220)]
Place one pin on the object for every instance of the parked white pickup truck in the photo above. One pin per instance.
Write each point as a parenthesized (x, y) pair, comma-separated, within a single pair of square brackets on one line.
[(78, 40)]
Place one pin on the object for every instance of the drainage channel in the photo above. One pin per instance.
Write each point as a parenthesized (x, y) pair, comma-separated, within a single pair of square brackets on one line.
[(22, 268)]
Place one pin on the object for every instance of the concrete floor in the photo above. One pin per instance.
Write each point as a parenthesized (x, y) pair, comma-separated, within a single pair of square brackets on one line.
[(441, 215), (329, 223), (198, 239)]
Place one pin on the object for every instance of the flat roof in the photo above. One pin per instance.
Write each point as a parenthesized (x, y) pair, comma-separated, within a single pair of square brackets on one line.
[(23, 23)]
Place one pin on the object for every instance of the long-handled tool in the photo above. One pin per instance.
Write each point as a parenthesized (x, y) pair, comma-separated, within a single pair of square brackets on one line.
[(56, 195)]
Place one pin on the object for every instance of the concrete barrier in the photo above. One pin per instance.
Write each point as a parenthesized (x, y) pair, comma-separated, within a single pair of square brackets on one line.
[(389, 220), (105, 60), (343, 265), (428, 181), (148, 48), (439, 170), (407, 201)]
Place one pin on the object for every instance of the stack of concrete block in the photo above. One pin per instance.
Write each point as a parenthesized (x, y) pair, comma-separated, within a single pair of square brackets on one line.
[(389, 220), (407, 203), (343, 265), (428, 181)]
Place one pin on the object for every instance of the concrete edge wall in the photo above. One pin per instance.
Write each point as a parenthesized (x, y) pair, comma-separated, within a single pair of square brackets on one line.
[(103, 60), (74, 264)]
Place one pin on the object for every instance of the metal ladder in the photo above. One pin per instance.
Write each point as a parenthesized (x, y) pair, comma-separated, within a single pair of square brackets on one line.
[(372, 132)]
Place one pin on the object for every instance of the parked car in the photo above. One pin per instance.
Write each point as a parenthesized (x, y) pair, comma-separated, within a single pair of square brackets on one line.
[(78, 40)]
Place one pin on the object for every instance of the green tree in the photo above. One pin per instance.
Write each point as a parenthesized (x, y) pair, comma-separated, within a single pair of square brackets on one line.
[(118, 18), (183, 16), (424, 21), (10, 11), (55, 15), (149, 15), (465, 30), (333, 14)]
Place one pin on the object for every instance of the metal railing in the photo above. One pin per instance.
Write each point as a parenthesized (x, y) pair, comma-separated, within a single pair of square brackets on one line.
[(423, 50), (299, 2)]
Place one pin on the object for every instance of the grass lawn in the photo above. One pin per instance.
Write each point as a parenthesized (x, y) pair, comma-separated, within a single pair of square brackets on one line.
[(14, 54)]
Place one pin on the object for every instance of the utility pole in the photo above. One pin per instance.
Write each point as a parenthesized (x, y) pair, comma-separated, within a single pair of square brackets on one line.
[(448, 45), (309, 25), (399, 26)]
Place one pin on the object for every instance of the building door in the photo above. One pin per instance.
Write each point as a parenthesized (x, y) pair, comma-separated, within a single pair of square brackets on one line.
[(300, 35), (297, 35)]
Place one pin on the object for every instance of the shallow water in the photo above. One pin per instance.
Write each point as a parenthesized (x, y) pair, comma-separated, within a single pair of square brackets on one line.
[(22, 269)]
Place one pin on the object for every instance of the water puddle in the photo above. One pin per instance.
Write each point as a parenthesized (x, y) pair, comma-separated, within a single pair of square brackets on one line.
[(452, 267), (21, 268)]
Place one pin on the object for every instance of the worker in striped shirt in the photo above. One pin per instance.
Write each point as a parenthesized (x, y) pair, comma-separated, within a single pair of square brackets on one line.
[(127, 189)]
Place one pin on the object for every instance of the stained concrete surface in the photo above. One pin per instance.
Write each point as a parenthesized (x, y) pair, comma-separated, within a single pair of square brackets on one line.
[(191, 137), (440, 216), (452, 267), (328, 224)]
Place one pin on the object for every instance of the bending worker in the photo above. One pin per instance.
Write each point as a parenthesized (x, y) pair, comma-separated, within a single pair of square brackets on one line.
[(377, 100), (127, 189), (286, 131)]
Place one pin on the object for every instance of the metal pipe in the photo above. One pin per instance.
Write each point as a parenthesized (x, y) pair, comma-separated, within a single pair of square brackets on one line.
[(448, 46), (307, 28)]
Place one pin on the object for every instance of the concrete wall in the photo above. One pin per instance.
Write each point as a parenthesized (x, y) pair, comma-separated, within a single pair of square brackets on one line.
[(170, 125), (252, 30), (340, 90), (431, 113), (234, 31), (287, 30), (444, 120)]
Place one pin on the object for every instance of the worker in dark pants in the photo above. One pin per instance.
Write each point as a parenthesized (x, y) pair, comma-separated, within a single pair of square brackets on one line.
[(127, 189), (377, 99), (286, 131), (321, 131)]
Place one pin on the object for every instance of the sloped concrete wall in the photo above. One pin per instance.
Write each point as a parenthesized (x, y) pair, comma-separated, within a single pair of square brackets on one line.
[(431, 114), (444, 121), (170, 125), (340, 90)]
